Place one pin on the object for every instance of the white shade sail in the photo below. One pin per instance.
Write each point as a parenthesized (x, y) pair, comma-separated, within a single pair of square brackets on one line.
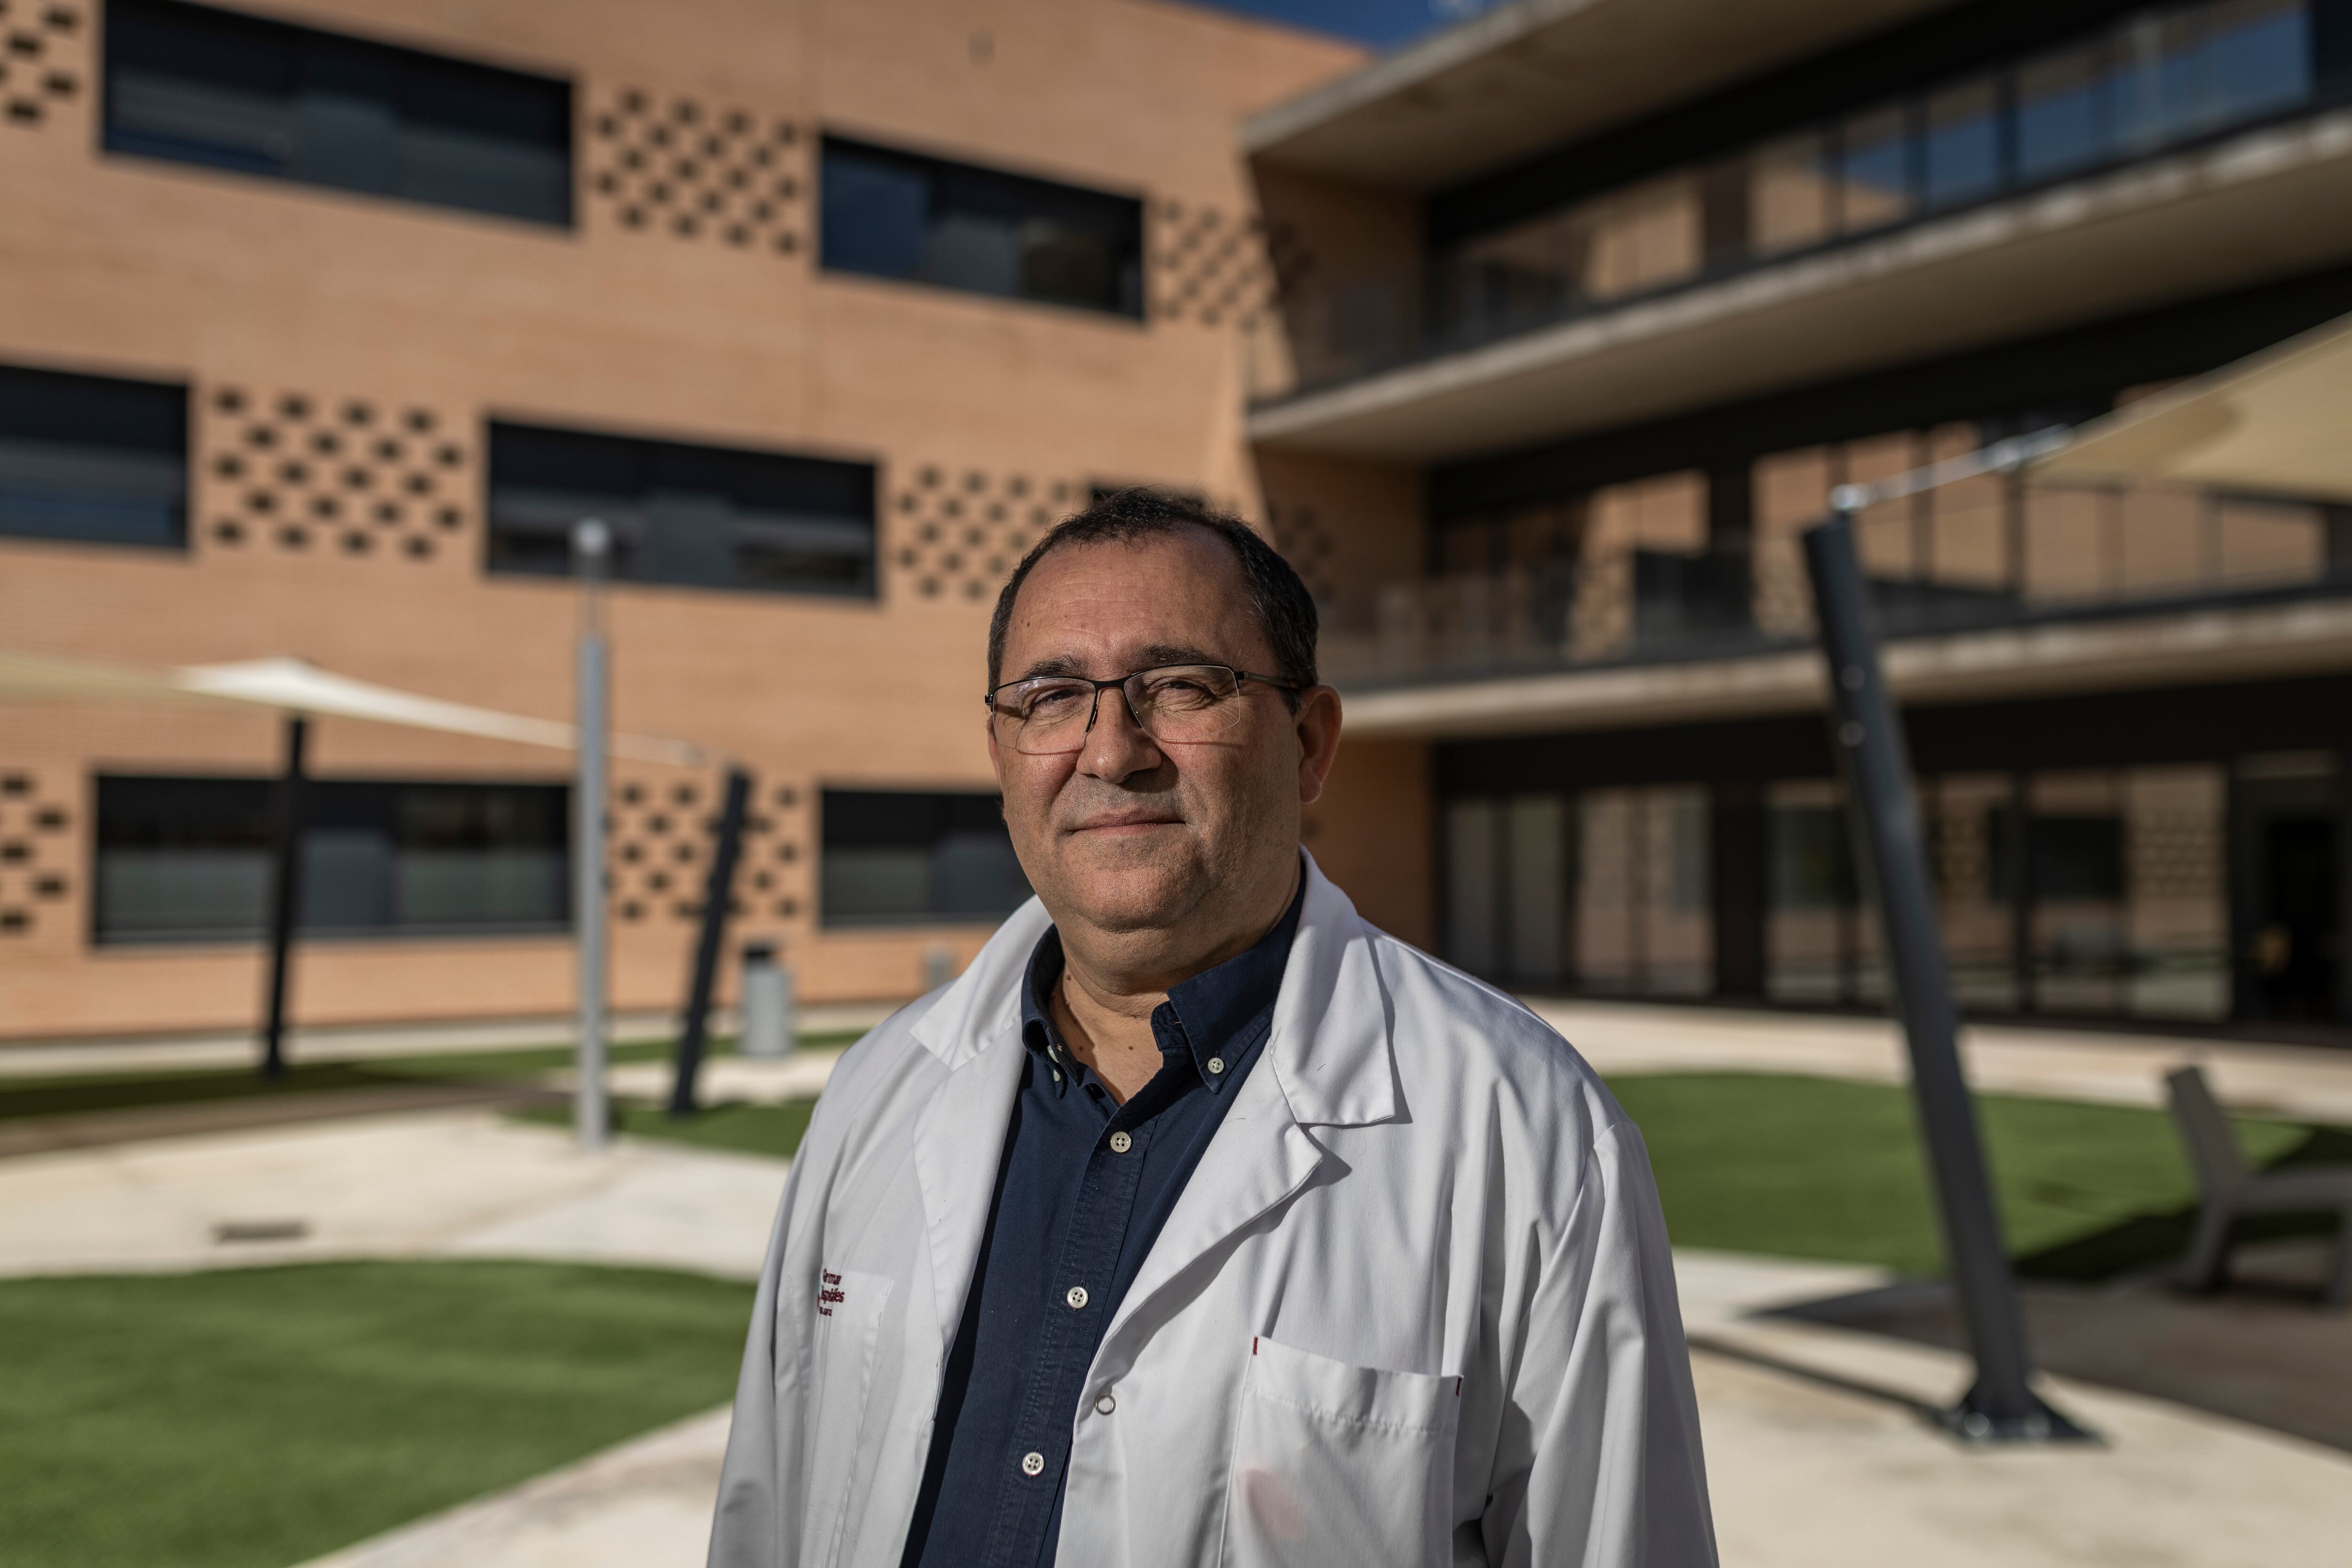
[(2279, 422), (294, 686)]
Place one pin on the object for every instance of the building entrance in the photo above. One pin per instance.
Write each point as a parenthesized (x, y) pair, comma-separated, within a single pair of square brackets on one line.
[(2290, 936)]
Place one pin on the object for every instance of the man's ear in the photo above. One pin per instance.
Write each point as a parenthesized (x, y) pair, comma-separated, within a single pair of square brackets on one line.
[(1318, 725)]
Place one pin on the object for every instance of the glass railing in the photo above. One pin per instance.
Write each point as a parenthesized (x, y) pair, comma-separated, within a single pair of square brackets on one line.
[(1972, 557), (2155, 79)]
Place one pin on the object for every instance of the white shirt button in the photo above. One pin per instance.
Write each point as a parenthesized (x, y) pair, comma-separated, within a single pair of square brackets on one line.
[(1033, 1464), (1216, 1064), (1120, 1142), (1076, 1297), (1105, 1404)]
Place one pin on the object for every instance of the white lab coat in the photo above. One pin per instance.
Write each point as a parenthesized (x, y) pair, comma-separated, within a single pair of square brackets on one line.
[(1415, 1305)]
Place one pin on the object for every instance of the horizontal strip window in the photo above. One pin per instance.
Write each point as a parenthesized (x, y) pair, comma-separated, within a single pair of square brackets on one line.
[(197, 85), (693, 516), (187, 860), (91, 461), (888, 214), (895, 858)]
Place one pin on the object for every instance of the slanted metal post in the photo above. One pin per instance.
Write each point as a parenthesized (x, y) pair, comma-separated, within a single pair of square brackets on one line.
[(285, 889), (1868, 740), (717, 894)]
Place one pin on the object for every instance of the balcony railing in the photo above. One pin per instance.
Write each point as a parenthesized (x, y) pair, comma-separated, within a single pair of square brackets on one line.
[(2005, 554), (2156, 80)]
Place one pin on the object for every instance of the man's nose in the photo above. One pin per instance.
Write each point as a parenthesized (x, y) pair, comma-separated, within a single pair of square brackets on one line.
[(1116, 746)]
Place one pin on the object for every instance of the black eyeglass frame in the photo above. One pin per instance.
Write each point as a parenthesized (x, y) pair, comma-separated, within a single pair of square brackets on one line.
[(1094, 708)]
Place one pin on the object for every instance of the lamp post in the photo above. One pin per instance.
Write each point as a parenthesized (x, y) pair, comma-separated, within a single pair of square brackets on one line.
[(592, 544)]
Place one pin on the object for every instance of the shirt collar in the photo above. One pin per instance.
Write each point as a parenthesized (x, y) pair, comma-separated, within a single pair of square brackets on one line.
[(1220, 1012)]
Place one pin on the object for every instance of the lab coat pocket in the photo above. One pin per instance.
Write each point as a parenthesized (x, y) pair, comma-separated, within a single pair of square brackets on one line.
[(848, 1330), (1339, 1464)]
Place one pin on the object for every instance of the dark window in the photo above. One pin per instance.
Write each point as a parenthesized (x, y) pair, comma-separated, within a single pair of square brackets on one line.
[(897, 214), (1813, 859), (187, 860), (93, 461), (710, 517), (895, 858), (2073, 858), (230, 91)]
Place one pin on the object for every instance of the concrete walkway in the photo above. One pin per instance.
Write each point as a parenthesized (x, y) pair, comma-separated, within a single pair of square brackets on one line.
[(2302, 1082)]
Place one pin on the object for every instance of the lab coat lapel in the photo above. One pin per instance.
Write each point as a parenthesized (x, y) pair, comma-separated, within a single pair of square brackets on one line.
[(1326, 1062), (959, 1142), (975, 1028)]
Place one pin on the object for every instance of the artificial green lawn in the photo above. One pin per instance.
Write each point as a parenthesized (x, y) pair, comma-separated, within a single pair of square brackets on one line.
[(256, 1417), (1809, 1167)]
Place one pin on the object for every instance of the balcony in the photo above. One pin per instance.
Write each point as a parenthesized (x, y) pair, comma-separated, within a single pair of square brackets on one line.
[(1995, 588), (2177, 152)]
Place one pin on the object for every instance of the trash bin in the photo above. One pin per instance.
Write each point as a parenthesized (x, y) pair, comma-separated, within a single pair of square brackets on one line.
[(768, 1025)]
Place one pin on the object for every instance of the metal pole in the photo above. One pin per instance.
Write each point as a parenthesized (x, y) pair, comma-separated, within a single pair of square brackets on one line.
[(285, 891), (591, 542), (718, 893), (1868, 740)]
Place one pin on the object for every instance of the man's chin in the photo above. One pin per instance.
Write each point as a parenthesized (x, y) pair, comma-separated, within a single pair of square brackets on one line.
[(1115, 895)]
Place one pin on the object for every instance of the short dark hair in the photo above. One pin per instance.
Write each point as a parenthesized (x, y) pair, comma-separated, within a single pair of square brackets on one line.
[(1285, 609)]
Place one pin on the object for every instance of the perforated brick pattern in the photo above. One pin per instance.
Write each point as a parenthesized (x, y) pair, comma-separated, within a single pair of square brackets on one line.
[(957, 535), (44, 60), (1306, 540), (1216, 268), (37, 849), (698, 170), (662, 828), (354, 477)]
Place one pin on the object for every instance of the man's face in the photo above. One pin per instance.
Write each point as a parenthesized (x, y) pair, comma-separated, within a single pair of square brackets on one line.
[(1128, 836)]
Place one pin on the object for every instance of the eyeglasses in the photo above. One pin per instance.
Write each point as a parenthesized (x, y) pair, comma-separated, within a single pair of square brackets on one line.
[(1176, 704)]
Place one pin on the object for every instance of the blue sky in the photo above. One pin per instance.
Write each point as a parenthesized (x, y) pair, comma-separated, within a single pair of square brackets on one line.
[(1384, 24)]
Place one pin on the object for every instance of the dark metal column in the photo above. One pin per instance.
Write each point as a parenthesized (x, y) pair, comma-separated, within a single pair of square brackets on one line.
[(285, 889), (716, 897), (1868, 740)]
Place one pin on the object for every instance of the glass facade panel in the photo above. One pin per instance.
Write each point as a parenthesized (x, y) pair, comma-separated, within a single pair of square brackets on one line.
[(1794, 203), (1959, 145), (197, 85), (1474, 885), (1536, 826), (1875, 186), (187, 860), (707, 517), (92, 460), (1609, 853), (904, 858), (888, 214), (1809, 937), (1980, 923), (2175, 875)]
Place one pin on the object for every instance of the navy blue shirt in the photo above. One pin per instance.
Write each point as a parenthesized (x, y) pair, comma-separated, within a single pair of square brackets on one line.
[(1084, 1185)]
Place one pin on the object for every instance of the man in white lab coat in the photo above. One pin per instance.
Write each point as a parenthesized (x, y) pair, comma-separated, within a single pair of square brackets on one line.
[(1199, 1222)]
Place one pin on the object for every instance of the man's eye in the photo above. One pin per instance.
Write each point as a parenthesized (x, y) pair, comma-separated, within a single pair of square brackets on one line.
[(1178, 692), (1053, 703)]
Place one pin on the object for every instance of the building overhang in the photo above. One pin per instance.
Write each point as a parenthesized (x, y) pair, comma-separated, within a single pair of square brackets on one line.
[(2253, 207), (1526, 76), (2192, 647)]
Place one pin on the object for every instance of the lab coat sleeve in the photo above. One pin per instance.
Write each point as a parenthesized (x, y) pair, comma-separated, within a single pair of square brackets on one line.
[(1605, 1470), (757, 1523)]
